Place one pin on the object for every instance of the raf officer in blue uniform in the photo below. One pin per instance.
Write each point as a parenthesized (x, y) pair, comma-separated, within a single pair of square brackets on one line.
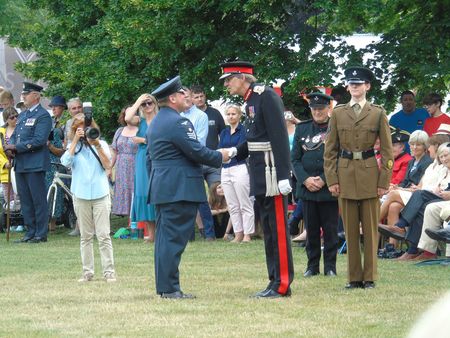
[(320, 208), (267, 147), (176, 183), (31, 161)]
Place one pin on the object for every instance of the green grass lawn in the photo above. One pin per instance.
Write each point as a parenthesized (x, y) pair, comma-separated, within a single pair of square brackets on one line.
[(40, 295)]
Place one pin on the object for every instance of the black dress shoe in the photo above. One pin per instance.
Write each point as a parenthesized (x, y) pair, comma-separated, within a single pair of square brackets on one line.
[(330, 273), (23, 240), (369, 285), (310, 273), (38, 240), (177, 295), (439, 235), (354, 285), (273, 294)]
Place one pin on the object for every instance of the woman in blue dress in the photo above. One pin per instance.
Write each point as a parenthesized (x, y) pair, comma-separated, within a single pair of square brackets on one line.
[(141, 114)]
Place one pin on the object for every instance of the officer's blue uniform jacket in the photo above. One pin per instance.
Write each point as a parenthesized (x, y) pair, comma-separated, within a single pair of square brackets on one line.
[(30, 138), (176, 155)]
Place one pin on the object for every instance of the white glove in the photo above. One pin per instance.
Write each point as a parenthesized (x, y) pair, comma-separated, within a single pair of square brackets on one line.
[(284, 187), (232, 152)]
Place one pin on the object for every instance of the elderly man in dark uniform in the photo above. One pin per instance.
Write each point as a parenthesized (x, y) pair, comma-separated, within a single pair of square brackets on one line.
[(352, 173), (267, 147), (32, 160), (320, 208), (176, 183)]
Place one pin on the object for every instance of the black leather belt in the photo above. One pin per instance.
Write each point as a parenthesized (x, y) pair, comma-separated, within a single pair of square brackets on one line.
[(357, 155)]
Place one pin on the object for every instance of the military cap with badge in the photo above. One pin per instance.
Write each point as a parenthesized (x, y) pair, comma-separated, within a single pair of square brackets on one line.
[(319, 100), (168, 88), (236, 67), (358, 75), (29, 87), (399, 136)]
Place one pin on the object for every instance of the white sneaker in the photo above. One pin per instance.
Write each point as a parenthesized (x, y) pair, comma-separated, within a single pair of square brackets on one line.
[(110, 277), (19, 228), (74, 232), (86, 278)]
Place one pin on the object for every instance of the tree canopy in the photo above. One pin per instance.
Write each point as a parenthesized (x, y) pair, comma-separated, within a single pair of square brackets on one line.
[(111, 51)]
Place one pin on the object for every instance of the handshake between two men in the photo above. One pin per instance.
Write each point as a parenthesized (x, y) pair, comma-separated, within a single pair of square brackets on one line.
[(284, 186)]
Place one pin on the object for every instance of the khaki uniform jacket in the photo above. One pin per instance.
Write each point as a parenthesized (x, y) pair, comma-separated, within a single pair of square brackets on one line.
[(358, 179)]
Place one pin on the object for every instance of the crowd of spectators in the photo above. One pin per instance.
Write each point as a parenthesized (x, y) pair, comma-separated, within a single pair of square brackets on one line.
[(420, 180)]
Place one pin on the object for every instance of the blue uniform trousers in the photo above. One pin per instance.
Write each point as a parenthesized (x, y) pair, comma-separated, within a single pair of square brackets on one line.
[(174, 224), (33, 201)]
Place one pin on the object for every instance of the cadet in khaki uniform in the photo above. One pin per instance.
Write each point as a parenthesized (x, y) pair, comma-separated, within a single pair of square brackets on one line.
[(353, 175)]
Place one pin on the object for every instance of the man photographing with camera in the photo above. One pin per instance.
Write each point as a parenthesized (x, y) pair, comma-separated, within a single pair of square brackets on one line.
[(89, 157)]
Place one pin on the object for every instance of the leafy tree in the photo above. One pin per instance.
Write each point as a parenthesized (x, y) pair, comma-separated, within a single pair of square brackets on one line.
[(110, 51)]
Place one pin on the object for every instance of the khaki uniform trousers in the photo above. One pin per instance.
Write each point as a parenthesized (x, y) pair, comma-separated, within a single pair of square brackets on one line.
[(365, 212), (432, 220)]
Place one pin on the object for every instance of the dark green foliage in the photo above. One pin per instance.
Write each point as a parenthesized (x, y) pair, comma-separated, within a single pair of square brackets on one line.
[(109, 52)]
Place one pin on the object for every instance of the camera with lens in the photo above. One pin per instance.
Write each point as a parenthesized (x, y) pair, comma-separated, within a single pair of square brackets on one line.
[(89, 132), (288, 115)]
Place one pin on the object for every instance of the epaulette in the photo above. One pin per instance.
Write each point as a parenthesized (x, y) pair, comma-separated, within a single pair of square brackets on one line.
[(305, 121), (340, 105), (259, 89), (377, 105)]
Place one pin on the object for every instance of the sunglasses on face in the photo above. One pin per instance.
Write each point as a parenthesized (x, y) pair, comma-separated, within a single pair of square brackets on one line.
[(12, 117), (147, 104)]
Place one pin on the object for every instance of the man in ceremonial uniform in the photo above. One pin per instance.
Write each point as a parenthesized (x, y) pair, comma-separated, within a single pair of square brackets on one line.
[(267, 147), (320, 208), (176, 183), (352, 173), (29, 146)]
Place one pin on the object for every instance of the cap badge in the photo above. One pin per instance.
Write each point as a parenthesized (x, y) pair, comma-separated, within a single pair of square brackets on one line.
[(354, 73), (316, 98)]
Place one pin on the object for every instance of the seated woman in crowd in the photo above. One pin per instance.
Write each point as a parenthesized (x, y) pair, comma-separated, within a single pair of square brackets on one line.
[(219, 210), (412, 214), (420, 175), (401, 157), (89, 159), (235, 179)]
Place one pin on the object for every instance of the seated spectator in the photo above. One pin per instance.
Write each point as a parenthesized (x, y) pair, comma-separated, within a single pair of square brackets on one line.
[(235, 179), (433, 104), (219, 210), (413, 213), (420, 175), (401, 157), (435, 214), (89, 159)]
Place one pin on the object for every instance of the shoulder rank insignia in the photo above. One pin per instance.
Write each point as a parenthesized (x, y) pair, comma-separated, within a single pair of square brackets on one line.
[(258, 89), (390, 164)]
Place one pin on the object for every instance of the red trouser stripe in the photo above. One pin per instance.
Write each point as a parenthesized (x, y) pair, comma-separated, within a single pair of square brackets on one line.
[(282, 245)]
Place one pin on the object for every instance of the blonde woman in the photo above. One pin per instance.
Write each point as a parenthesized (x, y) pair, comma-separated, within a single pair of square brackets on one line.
[(141, 114), (235, 179)]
